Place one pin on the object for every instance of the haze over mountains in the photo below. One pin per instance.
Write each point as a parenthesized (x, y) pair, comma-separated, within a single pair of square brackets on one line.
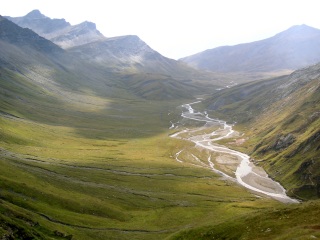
[(297, 47), (122, 54), (59, 31), (85, 151), (86, 42), (126, 66), (126, 62)]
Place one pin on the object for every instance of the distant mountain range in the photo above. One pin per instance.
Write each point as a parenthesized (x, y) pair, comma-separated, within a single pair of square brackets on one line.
[(87, 43), (130, 53), (297, 47), (84, 126), (123, 54), (59, 31)]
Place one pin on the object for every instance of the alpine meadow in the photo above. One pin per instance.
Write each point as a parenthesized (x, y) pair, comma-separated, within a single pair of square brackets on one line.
[(105, 138)]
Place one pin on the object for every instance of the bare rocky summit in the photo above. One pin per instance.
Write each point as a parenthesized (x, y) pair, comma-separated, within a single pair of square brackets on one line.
[(59, 31)]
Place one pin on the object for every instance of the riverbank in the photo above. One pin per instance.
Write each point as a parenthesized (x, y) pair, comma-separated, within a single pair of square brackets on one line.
[(227, 162)]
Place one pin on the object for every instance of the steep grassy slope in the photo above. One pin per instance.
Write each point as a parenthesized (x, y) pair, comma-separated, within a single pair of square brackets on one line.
[(85, 153), (293, 222), (38, 58), (16, 35), (96, 169), (126, 56), (131, 56), (281, 117), (84, 157)]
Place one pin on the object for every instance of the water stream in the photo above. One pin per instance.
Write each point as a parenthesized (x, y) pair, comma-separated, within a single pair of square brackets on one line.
[(229, 163)]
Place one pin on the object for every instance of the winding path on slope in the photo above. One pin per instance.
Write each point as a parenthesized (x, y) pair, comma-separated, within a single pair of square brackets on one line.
[(220, 158)]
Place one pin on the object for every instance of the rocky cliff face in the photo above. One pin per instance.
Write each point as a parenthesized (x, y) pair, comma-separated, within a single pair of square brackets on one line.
[(59, 31), (124, 50), (76, 35), (39, 23)]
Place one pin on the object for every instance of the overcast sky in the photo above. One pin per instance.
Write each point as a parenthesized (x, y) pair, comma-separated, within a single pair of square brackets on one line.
[(178, 28)]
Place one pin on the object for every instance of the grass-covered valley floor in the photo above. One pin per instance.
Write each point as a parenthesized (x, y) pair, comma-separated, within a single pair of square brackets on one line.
[(86, 153), (115, 179), (74, 169)]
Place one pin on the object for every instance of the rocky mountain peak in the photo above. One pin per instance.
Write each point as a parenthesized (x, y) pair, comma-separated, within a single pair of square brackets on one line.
[(131, 44), (301, 28), (35, 14), (24, 37), (296, 47), (299, 32), (59, 31), (88, 25), (39, 23)]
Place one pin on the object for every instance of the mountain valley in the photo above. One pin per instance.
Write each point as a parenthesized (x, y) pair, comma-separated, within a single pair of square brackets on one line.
[(85, 146)]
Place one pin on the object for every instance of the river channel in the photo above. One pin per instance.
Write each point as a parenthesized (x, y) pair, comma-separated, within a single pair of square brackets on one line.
[(230, 164)]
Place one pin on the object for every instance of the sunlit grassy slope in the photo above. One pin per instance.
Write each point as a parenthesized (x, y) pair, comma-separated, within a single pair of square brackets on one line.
[(75, 162), (290, 222), (101, 169), (85, 153), (281, 120)]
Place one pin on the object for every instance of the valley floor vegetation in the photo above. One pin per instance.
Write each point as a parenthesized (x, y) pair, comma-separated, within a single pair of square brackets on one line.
[(107, 171), (86, 152)]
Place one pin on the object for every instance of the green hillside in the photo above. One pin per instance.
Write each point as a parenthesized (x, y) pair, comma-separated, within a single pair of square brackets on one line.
[(290, 222), (85, 153), (280, 118), (75, 163)]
